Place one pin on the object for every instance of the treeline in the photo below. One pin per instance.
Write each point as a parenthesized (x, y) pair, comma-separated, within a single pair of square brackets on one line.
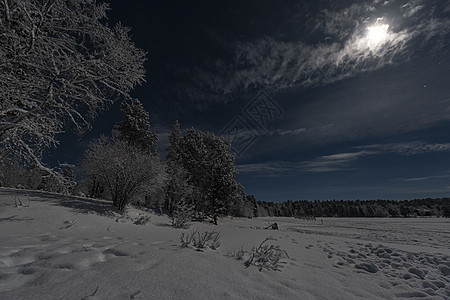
[(439, 207), (196, 179)]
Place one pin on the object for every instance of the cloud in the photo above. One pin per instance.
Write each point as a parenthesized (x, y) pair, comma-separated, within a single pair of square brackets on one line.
[(412, 8), (334, 162), (426, 178), (416, 179), (267, 169), (344, 161), (292, 132), (343, 51), (326, 163), (408, 148)]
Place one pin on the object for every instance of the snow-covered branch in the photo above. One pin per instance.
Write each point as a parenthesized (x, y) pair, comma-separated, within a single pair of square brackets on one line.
[(59, 62)]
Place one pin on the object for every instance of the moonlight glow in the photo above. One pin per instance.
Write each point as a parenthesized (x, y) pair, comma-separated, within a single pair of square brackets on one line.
[(377, 34)]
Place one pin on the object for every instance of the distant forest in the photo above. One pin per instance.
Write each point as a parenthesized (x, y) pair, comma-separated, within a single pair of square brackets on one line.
[(439, 207)]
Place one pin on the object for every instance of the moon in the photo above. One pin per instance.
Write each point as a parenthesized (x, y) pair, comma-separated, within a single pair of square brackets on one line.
[(377, 34)]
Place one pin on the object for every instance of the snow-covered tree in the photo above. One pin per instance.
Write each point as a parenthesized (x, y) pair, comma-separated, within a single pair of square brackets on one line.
[(13, 173), (252, 200), (173, 151), (124, 170), (135, 127), (60, 63), (242, 205), (210, 165), (178, 188)]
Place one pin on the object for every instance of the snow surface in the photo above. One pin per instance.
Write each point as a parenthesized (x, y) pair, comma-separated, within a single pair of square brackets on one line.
[(74, 248)]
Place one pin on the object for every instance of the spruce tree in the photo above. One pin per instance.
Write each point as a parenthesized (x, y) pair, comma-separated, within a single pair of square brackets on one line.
[(135, 127), (173, 151), (210, 165), (178, 190)]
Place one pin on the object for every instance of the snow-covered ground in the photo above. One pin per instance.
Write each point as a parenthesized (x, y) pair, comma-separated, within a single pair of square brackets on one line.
[(73, 248)]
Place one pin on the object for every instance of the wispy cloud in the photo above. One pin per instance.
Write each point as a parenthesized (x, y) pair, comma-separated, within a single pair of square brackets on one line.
[(442, 177), (344, 50), (242, 133), (271, 132), (425, 178), (416, 179), (344, 161), (292, 132), (408, 148), (334, 162), (326, 163), (268, 169)]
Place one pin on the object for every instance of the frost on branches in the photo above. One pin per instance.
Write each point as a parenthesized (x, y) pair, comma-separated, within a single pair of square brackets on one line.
[(135, 127), (59, 64), (126, 172), (212, 172)]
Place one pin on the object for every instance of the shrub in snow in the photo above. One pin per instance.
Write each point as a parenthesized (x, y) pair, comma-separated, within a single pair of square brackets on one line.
[(182, 216), (237, 254), (68, 224), (266, 256), (141, 219), (18, 202), (263, 257), (199, 240)]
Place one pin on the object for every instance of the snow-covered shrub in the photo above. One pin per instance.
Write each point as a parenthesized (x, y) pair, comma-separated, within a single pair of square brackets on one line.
[(199, 240), (182, 217), (142, 219), (266, 256), (18, 202), (124, 170), (237, 254), (263, 257)]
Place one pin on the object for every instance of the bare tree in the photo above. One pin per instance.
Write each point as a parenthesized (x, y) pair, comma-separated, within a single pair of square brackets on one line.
[(60, 63), (126, 171)]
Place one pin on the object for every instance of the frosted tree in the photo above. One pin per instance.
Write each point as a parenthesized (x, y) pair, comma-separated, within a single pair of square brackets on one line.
[(60, 63), (124, 170), (210, 165), (178, 198), (242, 206), (173, 151), (135, 127), (14, 174), (252, 200)]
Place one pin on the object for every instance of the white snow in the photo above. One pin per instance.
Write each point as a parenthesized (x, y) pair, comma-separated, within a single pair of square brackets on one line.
[(74, 248)]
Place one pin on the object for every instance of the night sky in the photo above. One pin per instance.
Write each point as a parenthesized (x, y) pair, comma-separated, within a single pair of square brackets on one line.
[(322, 99)]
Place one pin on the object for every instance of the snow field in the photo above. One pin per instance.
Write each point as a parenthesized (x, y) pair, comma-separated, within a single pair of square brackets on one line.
[(74, 248)]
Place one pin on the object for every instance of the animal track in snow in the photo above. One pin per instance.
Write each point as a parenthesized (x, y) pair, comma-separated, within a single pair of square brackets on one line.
[(425, 273)]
